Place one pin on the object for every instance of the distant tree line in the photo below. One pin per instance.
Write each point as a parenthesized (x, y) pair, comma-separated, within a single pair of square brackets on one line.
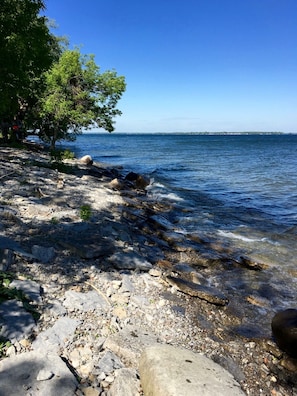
[(44, 85)]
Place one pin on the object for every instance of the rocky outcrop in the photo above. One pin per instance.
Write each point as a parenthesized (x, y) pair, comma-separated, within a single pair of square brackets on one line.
[(101, 290)]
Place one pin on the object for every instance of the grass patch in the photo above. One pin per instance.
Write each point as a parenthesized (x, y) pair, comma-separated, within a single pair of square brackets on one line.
[(85, 212)]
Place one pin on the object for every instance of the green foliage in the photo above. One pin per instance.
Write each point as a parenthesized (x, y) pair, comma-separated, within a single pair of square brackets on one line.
[(9, 293), (44, 85), (77, 96), (85, 212), (4, 344), (68, 155), (27, 50)]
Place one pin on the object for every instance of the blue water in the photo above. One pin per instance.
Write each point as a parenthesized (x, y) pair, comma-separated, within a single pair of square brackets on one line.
[(239, 188)]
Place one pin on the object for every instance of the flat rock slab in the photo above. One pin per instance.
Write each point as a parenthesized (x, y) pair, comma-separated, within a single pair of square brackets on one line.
[(130, 342), (203, 292), (15, 322), (36, 373), (88, 247), (31, 289), (44, 254), (85, 301), (55, 337), (130, 260), (169, 371)]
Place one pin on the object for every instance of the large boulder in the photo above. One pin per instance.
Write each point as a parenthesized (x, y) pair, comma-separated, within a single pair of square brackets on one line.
[(86, 160), (284, 330), (169, 371)]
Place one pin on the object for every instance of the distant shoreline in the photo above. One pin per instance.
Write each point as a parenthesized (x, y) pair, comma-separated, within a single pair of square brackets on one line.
[(252, 133)]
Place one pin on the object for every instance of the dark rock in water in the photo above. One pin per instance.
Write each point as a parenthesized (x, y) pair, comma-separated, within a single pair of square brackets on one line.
[(247, 263), (138, 180), (204, 292), (284, 330)]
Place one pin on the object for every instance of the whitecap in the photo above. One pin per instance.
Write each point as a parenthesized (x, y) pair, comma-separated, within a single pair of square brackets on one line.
[(237, 236)]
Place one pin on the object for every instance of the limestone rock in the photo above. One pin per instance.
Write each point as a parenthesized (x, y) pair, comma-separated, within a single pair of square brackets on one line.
[(15, 322), (37, 373), (169, 371), (116, 184), (43, 254), (89, 246), (109, 363), (31, 289), (207, 293), (86, 160), (130, 260), (55, 337), (284, 330), (85, 301), (126, 383), (129, 343)]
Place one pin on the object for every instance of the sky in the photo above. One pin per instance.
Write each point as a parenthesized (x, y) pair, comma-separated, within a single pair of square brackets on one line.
[(192, 65)]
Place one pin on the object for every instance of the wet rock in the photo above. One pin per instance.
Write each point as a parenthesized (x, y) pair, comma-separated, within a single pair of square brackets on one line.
[(284, 330), (247, 263), (160, 222), (139, 181), (203, 292)]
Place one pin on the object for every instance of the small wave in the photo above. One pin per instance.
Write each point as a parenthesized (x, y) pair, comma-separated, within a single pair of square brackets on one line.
[(236, 236), (168, 196)]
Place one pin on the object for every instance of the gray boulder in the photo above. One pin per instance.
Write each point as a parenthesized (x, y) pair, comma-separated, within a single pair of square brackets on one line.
[(169, 371)]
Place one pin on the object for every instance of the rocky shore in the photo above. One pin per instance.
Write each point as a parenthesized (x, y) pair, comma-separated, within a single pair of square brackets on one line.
[(115, 298)]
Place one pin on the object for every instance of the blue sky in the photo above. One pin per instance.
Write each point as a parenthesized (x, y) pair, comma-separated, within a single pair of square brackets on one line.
[(192, 65)]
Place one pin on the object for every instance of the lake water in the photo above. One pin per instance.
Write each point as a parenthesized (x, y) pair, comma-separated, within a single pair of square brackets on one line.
[(238, 188)]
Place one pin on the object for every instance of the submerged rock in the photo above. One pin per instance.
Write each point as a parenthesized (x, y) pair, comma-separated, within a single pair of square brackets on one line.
[(284, 330), (193, 289), (253, 265)]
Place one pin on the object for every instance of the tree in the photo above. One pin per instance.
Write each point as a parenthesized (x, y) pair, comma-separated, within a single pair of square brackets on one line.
[(27, 50), (77, 96)]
